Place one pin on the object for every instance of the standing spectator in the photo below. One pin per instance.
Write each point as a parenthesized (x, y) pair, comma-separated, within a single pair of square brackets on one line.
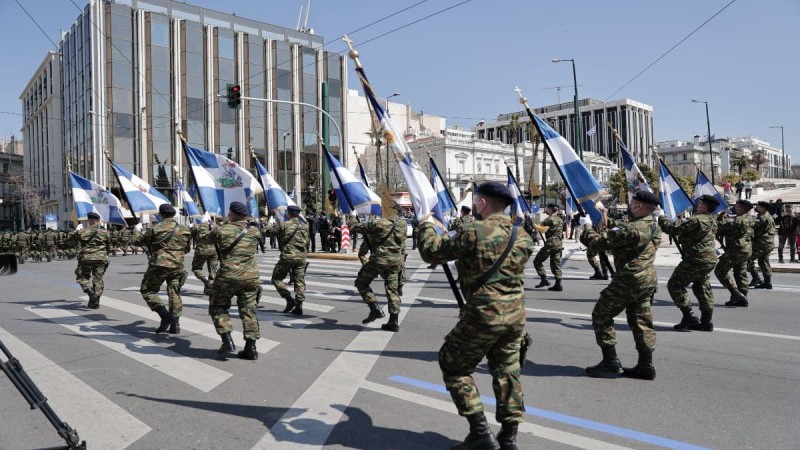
[(336, 233), (573, 225), (726, 188), (312, 232), (788, 230), (748, 189), (739, 187), (262, 241), (323, 226)]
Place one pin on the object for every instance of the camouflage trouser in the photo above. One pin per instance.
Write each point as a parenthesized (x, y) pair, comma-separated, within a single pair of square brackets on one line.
[(698, 273), (22, 253), (49, 252), (154, 277), (760, 254), (591, 255), (737, 262), (464, 348), (199, 260), (248, 294), (635, 300), (93, 269), (554, 253), (362, 253), (391, 280), (298, 274), (125, 245)]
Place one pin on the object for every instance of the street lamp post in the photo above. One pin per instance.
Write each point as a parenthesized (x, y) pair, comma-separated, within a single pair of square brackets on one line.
[(387, 145), (576, 125), (285, 168), (710, 152), (783, 152)]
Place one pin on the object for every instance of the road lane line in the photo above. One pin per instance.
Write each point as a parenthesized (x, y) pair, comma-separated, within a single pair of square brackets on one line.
[(99, 421), (188, 370)]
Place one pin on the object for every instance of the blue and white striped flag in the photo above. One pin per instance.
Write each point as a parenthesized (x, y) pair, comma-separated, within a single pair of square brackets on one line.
[(445, 199), (569, 207), (189, 205), (579, 180), (592, 131), (141, 197), (520, 206), (423, 197), (221, 181), (277, 200), (704, 187), (352, 194), (363, 174), (89, 196), (674, 199), (636, 180)]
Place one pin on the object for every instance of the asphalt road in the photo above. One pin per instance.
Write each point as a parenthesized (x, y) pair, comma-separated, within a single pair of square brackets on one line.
[(324, 380)]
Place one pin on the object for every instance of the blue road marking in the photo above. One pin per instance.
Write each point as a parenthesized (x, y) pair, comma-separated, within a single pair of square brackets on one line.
[(570, 420)]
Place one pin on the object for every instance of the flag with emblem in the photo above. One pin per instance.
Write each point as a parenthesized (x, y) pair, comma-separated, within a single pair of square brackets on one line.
[(189, 205), (141, 197), (90, 196), (351, 192)]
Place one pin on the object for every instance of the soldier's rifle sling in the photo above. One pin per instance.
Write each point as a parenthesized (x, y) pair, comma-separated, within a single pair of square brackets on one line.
[(496, 266), (224, 253)]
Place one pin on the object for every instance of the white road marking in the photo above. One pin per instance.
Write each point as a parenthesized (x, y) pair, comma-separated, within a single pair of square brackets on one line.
[(98, 421), (194, 373), (337, 385), (550, 434)]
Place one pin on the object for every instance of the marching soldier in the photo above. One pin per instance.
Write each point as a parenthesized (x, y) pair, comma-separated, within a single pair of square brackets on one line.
[(23, 246), (204, 255), (168, 242), (763, 244), (697, 236), (632, 287), (490, 255), (465, 217), (738, 236), (601, 268), (95, 244), (552, 227), (293, 237), (237, 276), (49, 240), (125, 239)]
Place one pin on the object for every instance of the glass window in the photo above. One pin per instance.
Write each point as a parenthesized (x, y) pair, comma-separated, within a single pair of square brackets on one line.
[(227, 134), (162, 132), (121, 51), (161, 81), (123, 125), (195, 132), (123, 151), (194, 86), (226, 114), (194, 41), (121, 76), (121, 26), (194, 64), (122, 100), (225, 47), (225, 70), (159, 58), (159, 34), (195, 109), (283, 79)]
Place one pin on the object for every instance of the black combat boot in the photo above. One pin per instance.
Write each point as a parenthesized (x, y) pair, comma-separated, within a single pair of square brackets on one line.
[(290, 303), (392, 324), (608, 367), (643, 370), (543, 283), (298, 309), (374, 313), (767, 283), (249, 351), (689, 320), (605, 274), (175, 327), (507, 437), (90, 293), (757, 281), (227, 347), (480, 437), (598, 275), (737, 299), (556, 287), (705, 322), (206, 285), (166, 319)]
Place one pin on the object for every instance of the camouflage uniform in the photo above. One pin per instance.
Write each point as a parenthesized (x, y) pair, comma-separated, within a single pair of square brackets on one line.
[(237, 276), (552, 248), (95, 243), (634, 283), (763, 244), (204, 255), (23, 246), (48, 241), (460, 220), (738, 235), (293, 237), (5, 242), (696, 235), (492, 322), (386, 258), (125, 236), (168, 242)]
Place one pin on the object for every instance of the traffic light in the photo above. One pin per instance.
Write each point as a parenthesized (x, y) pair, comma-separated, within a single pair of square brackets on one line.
[(234, 95)]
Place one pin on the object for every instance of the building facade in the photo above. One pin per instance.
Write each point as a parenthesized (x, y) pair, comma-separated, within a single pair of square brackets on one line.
[(749, 145), (684, 157), (134, 74), (11, 164), (633, 120)]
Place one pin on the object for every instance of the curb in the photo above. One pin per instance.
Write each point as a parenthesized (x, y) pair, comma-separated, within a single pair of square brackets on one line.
[(781, 269), (333, 256)]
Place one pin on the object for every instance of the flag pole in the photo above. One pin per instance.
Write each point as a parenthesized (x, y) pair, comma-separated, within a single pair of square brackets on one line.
[(436, 168), (509, 173), (671, 234), (124, 194), (191, 171)]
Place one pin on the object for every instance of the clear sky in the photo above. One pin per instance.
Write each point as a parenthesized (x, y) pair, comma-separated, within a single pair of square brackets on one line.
[(464, 63)]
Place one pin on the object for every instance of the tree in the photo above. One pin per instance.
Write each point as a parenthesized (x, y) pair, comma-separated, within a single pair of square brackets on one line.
[(34, 199), (376, 138), (741, 162), (619, 181), (758, 159), (751, 175)]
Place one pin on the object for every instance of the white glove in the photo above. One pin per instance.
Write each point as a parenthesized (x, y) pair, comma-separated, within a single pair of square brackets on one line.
[(354, 213), (585, 220), (599, 206), (658, 213), (271, 221), (79, 227), (205, 218), (138, 227)]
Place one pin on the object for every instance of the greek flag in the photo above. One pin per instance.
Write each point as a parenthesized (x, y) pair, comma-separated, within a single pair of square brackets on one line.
[(363, 175), (636, 180), (520, 206), (423, 197), (141, 197), (445, 200), (188, 202), (221, 181), (674, 199), (579, 180), (592, 131), (704, 187), (277, 200), (352, 194), (89, 196)]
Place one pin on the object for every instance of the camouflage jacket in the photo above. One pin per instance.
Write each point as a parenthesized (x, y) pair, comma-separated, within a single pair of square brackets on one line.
[(23, 239), (293, 237), (94, 242), (738, 234), (764, 231), (634, 246), (383, 238), (201, 248), (554, 232), (167, 248), (237, 263), (475, 247), (696, 235), (125, 235), (458, 221), (49, 238)]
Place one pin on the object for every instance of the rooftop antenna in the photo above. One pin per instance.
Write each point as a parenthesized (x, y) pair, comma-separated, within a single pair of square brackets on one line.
[(558, 90), (299, 17), (308, 10)]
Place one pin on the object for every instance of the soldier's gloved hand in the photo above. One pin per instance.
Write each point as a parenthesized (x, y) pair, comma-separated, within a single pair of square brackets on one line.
[(79, 227), (205, 218), (658, 213), (584, 221), (138, 227), (354, 213)]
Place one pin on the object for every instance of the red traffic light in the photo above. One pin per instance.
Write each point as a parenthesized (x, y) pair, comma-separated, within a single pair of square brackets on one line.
[(235, 89)]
